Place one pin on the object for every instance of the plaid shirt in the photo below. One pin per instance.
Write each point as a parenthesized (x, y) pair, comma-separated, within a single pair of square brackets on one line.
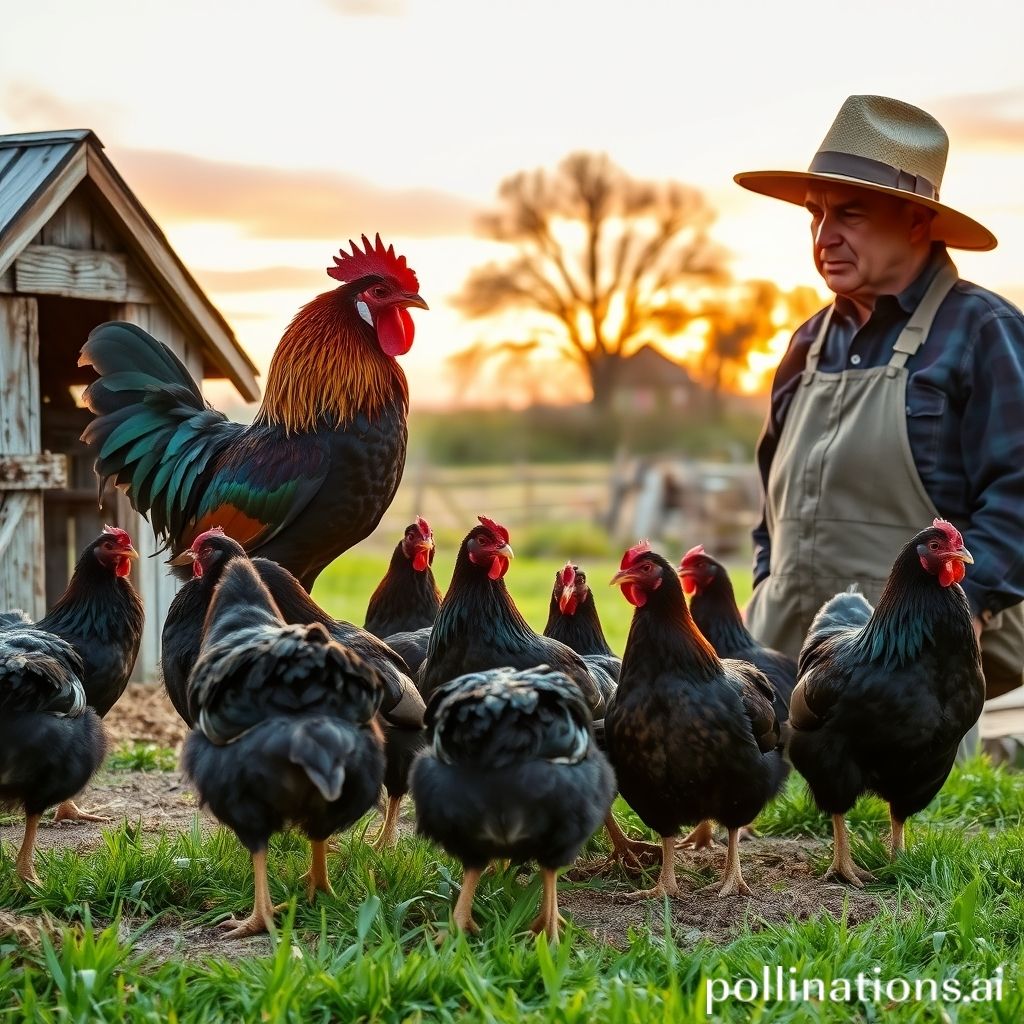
[(965, 420)]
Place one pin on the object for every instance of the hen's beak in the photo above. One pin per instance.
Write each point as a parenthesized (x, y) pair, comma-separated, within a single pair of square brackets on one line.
[(130, 552), (187, 557), (505, 551), (624, 576), (424, 545), (412, 299), (963, 555)]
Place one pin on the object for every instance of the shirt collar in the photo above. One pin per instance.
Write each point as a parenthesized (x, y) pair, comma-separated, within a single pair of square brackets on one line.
[(910, 298)]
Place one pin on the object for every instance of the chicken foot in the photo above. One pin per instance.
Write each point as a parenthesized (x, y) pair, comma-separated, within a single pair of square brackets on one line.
[(666, 884), (897, 843), (732, 877), (24, 865), (549, 919), (68, 810), (843, 867), (387, 837), (701, 838), (630, 853), (462, 915), (316, 877), (262, 917)]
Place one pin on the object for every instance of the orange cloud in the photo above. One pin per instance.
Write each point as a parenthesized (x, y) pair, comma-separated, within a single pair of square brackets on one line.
[(985, 119), (262, 279), (283, 203)]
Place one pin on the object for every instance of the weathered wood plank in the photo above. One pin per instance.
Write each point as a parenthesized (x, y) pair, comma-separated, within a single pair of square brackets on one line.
[(22, 583), (73, 273), (40, 471), (72, 225)]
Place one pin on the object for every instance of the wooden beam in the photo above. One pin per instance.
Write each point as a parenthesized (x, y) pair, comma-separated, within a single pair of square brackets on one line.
[(73, 273), (39, 471)]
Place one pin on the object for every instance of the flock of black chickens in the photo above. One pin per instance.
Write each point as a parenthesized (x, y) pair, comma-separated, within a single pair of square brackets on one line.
[(513, 744)]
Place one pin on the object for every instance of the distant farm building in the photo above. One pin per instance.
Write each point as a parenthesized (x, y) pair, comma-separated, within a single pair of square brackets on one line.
[(649, 382), (77, 249)]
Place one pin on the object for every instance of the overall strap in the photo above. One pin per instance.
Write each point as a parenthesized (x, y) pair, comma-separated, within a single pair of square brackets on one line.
[(912, 336), (814, 352)]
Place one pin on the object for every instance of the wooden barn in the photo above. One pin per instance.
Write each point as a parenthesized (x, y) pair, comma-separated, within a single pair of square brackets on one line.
[(77, 249)]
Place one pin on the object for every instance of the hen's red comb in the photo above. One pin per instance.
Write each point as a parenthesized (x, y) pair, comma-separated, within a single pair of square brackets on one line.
[(373, 259), (121, 536), (568, 575), (634, 553), (214, 531), (497, 529), (955, 539), (692, 554), (424, 527)]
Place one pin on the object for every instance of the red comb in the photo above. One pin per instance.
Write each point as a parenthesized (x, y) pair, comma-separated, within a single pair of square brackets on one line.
[(121, 536), (374, 260), (497, 529), (424, 527), (694, 552), (214, 531), (955, 539), (568, 575), (634, 553)]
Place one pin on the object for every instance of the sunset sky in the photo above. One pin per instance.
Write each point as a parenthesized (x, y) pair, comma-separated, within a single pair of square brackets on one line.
[(262, 136)]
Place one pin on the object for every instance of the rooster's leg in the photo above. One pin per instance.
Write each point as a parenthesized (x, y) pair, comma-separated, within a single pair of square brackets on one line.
[(387, 837), (316, 877), (843, 868), (463, 913), (68, 810), (896, 842), (666, 884), (262, 917), (26, 855), (732, 877), (630, 853), (549, 919), (701, 838)]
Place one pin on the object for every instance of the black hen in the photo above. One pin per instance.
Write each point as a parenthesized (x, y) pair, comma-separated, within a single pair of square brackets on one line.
[(50, 742), (407, 598), (100, 614), (479, 627), (690, 736), (513, 772), (573, 620), (881, 705), (285, 732), (402, 707)]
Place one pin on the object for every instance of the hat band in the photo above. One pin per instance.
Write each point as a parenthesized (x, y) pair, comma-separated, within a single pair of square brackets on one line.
[(875, 171)]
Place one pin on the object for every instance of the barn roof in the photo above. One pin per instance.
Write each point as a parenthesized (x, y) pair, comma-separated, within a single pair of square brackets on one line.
[(39, 170)]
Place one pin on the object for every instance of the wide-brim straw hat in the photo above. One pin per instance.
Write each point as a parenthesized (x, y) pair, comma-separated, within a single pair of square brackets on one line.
[(887, 146)]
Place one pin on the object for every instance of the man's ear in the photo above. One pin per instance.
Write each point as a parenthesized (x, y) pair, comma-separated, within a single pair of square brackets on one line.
[(920, 223)]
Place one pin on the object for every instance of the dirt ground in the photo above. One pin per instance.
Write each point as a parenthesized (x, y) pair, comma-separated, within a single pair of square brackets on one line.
[(780, 872)]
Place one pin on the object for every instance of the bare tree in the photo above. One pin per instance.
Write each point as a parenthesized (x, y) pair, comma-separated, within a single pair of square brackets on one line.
[(605, 259)]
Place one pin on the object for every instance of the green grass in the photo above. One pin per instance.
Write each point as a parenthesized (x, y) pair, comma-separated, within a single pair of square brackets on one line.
[(142, 757), (952, 906), (345, 587)]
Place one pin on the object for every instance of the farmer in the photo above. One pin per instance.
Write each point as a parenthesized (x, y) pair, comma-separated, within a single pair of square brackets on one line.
[(900, 401)]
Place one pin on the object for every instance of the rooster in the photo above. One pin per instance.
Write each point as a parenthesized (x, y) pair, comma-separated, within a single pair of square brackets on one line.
[(513, 771), (885, 695), (315, 471), (402, 707), (101, 615), (407, 598), (51, 743), (479, 626), (715, 613), (690, 736), (285, 731)]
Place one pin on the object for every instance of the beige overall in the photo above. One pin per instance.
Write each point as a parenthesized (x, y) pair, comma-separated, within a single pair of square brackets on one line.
[(844, 496)]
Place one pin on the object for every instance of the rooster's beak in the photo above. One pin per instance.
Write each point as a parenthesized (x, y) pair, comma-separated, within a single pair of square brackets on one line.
[(130, 552), (412, 299), (964, 556), (187, 557), (624, 576), (505, 551)]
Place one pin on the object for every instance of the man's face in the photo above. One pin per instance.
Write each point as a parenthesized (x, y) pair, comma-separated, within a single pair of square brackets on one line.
[(865, 243)]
